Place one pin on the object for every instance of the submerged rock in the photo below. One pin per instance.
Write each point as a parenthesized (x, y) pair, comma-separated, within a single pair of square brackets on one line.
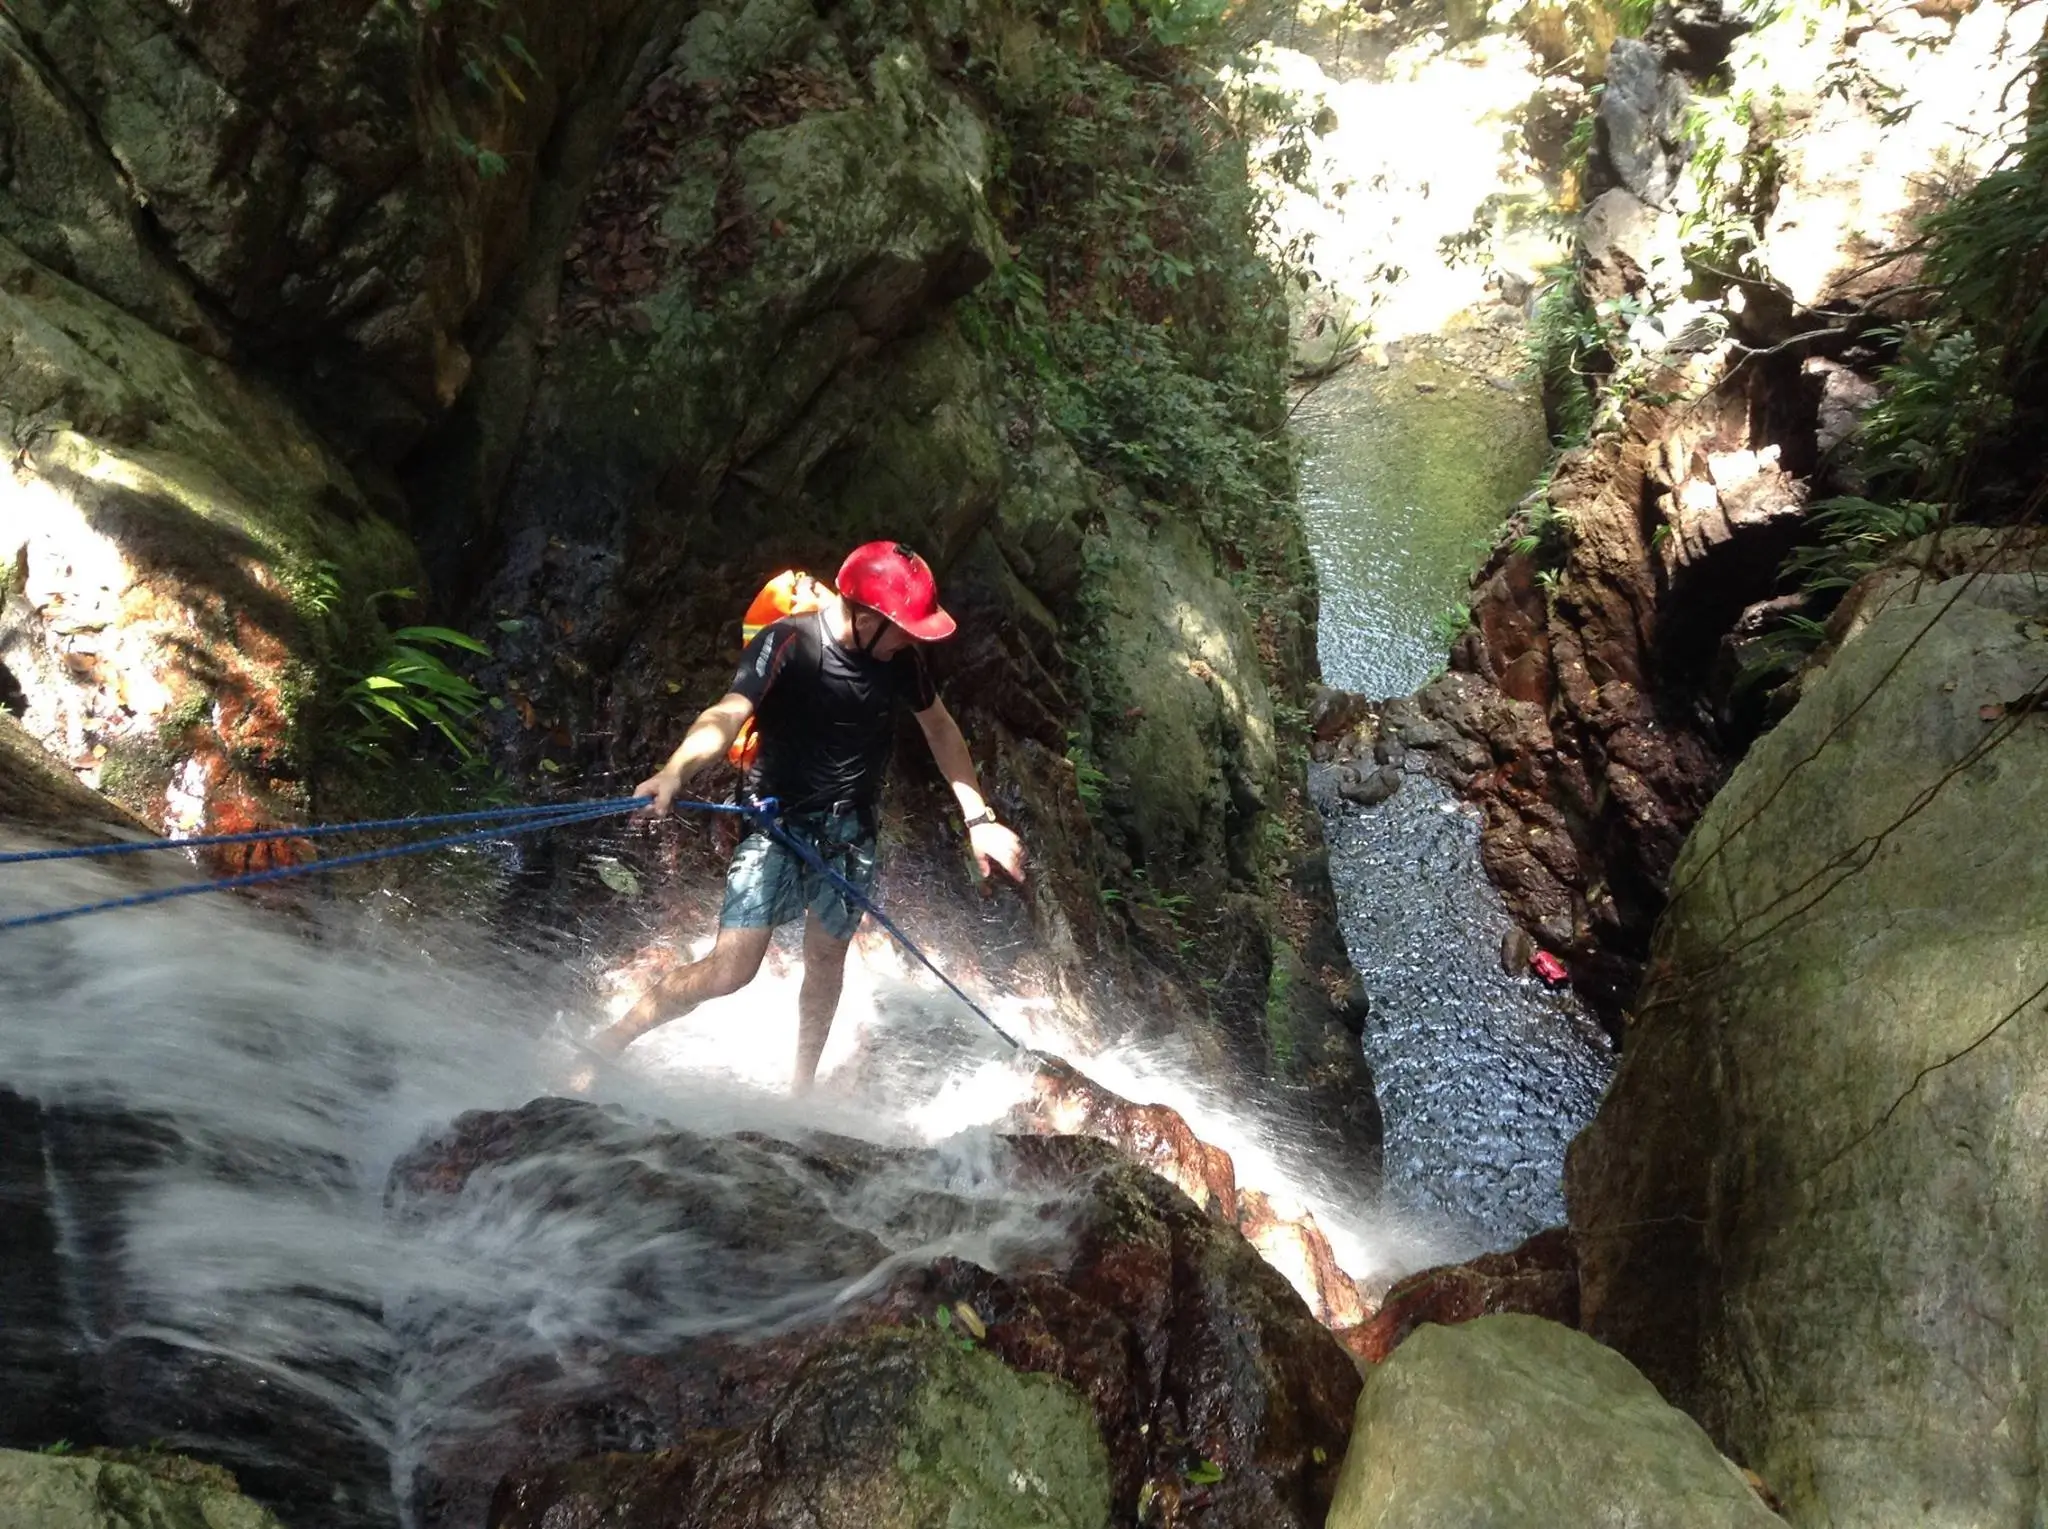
[(1512, 1421), (1809, 1206)]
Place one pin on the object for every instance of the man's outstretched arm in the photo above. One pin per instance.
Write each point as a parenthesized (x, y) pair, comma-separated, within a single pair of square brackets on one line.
[(993, 843), (706, 741)]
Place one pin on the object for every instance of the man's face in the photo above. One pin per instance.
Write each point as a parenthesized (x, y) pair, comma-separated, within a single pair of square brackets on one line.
[(893, 638)]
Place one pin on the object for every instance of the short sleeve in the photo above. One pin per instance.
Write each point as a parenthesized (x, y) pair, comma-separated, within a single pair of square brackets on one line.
[(916, 680), (762, 659)]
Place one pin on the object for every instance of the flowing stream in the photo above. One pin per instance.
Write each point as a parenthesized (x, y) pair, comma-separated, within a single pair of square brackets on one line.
[(1483, 1077)]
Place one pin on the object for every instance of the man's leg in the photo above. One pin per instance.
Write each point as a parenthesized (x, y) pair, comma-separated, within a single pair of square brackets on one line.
[(729, 966), (824, 975)]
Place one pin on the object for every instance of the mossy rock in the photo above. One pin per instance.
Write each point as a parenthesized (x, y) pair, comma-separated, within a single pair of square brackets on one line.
[(197, 562), (121, 1490), (900, 1429)]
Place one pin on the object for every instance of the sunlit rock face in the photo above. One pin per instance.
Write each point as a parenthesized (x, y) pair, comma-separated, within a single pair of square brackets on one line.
[(1808, 1206), (1923, 101), (175, 539), (1515, 1420)]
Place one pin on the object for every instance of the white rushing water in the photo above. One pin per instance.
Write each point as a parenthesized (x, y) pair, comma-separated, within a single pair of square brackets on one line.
[(263, 1071)]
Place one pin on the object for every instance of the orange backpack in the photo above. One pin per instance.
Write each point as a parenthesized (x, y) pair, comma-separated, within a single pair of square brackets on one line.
[(791, 592)]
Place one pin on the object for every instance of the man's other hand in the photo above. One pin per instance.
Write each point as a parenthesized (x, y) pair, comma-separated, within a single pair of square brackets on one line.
[(994, 845), (663, 789)]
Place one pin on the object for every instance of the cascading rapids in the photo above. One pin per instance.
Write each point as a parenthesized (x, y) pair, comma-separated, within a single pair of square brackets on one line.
[(224, 1092)]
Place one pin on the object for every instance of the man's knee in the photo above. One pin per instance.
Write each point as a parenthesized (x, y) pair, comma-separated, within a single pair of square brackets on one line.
[(734, 960)]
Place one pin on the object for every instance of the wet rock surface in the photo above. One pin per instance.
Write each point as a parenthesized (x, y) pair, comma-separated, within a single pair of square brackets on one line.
[(1067, 1103), (897, 1427), (1181, 1342), (1540, 1278), (1567, 715)]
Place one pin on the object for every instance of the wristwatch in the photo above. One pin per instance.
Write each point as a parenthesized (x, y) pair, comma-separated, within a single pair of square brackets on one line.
[(981, 817)]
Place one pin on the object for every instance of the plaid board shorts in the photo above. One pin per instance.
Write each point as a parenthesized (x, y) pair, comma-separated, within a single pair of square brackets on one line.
[(769, 884)]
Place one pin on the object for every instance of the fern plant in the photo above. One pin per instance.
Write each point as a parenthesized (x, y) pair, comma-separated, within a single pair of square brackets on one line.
[(413, 687)]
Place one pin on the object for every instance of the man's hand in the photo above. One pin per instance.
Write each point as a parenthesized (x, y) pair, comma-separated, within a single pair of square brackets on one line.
[(995, 845), (663, 789)]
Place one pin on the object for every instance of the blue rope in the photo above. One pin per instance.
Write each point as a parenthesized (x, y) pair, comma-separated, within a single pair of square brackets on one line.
[(581, 813), (767, 816), (311, 831)]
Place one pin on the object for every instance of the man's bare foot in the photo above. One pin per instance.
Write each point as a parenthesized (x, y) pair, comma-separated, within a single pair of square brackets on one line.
[(591, 1056)]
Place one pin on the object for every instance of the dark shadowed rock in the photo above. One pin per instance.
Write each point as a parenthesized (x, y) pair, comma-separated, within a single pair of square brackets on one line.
[(1639, 141)]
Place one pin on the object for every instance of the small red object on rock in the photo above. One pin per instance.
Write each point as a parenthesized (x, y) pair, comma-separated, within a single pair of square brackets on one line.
[(1550, 969)]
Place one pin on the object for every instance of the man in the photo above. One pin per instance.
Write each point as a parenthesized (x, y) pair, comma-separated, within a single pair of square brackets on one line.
[(822, 689)]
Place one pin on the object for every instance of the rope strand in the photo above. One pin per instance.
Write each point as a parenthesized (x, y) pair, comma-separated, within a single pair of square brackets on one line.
[(767, 815), (308, 831), (585, 813), (771, 821)]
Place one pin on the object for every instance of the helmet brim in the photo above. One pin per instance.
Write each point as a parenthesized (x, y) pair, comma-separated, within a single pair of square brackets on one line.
[(936, 627)]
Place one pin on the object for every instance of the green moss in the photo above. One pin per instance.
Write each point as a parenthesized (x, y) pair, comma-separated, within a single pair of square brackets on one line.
[(135, 773), (1279, 1016)]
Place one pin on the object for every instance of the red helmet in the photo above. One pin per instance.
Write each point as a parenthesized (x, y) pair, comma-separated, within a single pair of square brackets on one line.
[(890, 578)]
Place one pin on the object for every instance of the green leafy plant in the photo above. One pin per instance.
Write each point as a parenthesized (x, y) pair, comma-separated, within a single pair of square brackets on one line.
[(1450, 624), (1851, 536), (1088, 776), (412, 687), (1568, 357), (1205, 1474), (963, 1337)]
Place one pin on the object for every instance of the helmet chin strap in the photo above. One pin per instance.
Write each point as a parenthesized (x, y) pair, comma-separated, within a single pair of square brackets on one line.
[(867, 648)]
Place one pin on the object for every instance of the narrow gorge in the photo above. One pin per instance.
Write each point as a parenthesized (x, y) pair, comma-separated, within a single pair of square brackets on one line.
[(1498, 581)]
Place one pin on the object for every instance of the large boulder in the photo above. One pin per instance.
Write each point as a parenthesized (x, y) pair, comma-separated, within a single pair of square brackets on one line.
[(1639, 138), (135, 1490), (1210, 1387), (1512, 1421), (1809, 1206)]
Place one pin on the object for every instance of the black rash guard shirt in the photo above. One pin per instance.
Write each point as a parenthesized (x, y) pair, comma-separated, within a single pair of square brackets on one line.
[(826, 713)]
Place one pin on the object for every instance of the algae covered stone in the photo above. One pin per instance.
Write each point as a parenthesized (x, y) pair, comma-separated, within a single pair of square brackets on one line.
[(159, 1492), (1509, 1422), (901, 1429)]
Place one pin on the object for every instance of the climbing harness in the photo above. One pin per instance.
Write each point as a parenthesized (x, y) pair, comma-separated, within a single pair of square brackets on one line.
[(768, 815), (505, 822)]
